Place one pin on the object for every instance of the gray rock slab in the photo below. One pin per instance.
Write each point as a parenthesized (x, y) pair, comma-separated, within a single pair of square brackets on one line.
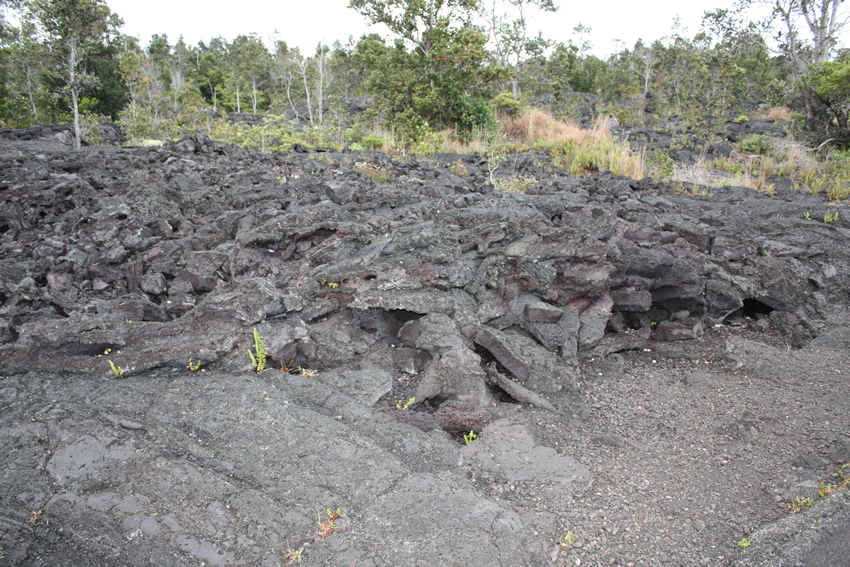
[(231, 469), (817, 537), (507, 450)]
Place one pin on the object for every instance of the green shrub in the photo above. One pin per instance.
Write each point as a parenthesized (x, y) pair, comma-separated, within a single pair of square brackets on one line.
[(756, 144), (660, 166), (372, 142), (506, 102)]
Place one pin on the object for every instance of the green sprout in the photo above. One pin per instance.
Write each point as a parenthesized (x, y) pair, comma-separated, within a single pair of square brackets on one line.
[(194, 365), (470, 437), (293, 556), (328, 526), (566, 540), (744, 543), (799, 503), (404, 405), (117, 370), (305, 371), (258, 362)]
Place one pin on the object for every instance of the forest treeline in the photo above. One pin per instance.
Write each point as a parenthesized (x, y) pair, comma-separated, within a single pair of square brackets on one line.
[(450, 64)]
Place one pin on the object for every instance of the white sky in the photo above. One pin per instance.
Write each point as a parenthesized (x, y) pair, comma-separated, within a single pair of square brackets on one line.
[(304, 23)]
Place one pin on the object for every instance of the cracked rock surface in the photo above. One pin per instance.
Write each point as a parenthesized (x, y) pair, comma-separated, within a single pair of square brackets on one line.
[(658, 375)]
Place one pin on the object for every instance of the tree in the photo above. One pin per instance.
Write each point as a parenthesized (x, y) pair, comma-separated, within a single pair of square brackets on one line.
[(26, 57), (512, 45), (416, 20), (444, 79), (822, 18), (210, 69), (4, 27), (178, 64), (827, 94), (73, 27), (251, 64)]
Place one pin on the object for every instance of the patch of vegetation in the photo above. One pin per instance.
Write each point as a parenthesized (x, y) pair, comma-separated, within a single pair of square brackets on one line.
[(756, 144), (374, 171), (799, 503), (469, 437), (841, 483), (328, 526), (258, 361), (566, 540), (372, 142), (402, 405), (117, 370), (660, 166), (293, 557), (516, 184), (744, 543)]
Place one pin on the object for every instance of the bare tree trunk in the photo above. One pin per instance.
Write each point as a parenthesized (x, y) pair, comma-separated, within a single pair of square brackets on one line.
[(214, 96), (303, 66), (254, 95), (320, 94), (289, 79), (30, 93), (73, 87)]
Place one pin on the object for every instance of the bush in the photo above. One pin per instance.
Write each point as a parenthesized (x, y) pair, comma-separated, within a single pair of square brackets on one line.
[(506, 103), (756, 144), (824, 104), (372, 142), (660, 166)]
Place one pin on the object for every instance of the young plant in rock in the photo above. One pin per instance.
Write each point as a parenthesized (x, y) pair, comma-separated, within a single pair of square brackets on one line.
[(194, 365), (258, 362), (327, 527), (566, 540), (470, 437), (402, 405), (799, 503), (117, 370), (293, 557)]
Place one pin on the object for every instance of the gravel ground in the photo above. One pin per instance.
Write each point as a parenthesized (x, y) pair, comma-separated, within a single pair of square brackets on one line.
[(691, 449)]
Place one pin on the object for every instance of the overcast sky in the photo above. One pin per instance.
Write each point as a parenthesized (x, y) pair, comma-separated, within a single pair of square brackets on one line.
[(304, 23)]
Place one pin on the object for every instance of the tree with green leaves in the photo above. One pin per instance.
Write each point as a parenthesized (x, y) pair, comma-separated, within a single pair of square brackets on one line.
[(437, 72), (73, 28), (807, 30), (210, 69), (508, 22), (26, 57), (827, 92), (416, 20), (251, 66)]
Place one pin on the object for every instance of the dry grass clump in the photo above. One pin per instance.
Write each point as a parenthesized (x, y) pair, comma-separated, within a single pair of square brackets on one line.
[(579, 151), (538, 128), (778, 113)]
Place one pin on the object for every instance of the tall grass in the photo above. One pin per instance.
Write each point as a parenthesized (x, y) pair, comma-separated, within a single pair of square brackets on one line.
[(829, 177), (579, 151)]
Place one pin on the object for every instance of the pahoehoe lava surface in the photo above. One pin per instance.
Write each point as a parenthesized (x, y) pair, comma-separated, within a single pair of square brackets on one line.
[(658, 375)]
